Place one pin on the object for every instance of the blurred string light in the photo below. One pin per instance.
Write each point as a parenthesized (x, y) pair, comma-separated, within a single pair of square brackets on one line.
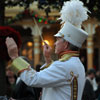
[(29, 44), (25, 3), (47, 5), (30, 14)]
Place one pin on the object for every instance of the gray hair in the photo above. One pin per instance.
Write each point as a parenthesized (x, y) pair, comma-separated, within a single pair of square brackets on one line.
[(71, 46)]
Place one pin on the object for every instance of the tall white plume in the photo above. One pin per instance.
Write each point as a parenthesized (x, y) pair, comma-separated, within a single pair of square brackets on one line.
[(74, 12)]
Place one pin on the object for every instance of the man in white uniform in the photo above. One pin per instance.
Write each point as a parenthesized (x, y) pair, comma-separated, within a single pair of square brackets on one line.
[(62, 79)]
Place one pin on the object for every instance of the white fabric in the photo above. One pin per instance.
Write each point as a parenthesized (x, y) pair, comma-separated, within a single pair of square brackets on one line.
[(88, 78), (95, 85), (18, 79), (54, 79)]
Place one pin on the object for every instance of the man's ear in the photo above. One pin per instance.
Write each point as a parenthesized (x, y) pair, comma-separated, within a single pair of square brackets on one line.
[(66, 44)]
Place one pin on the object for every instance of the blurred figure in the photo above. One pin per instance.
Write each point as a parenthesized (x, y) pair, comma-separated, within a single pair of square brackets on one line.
[(98, 73), (11, 81), (95, 83), (88, 93), (9, 72), (22, 91), (97, 92)]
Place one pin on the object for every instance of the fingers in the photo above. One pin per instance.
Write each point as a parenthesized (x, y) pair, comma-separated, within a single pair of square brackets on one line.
[(10, 42), (47, 49), (46, 46), (11, 48)]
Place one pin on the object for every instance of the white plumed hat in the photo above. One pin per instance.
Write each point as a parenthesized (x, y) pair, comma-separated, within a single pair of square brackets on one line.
[(73, 13)]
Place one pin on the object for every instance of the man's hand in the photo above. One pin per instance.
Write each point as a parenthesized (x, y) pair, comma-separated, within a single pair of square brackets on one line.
[(47, 50), (12, 48)]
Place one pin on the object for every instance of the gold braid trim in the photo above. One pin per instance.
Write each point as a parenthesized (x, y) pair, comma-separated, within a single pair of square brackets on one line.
[(75, 88), (68, 56), (19, 65), (46, 66), (63, 58)]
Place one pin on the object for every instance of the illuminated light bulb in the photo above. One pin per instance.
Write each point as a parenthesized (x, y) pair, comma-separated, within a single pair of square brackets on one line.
[(36, 15), (46, 42), (45, 22), (40, 20)]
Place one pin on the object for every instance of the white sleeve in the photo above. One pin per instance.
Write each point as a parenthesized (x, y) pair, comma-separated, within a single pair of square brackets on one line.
[(53, 76)]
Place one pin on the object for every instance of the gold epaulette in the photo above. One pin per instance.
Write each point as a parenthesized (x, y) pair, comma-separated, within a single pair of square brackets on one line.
[(19, 65)]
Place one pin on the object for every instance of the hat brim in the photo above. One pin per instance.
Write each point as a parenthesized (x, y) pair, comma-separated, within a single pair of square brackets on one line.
[(58, 35)]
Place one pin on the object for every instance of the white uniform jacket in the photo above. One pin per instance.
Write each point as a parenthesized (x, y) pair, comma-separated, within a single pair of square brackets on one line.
[(58, 80)]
